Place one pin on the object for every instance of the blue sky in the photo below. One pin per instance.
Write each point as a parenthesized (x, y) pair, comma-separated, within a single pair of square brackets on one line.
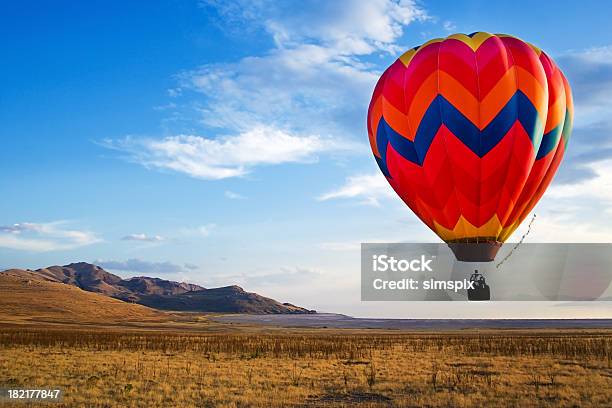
[(224, 142)]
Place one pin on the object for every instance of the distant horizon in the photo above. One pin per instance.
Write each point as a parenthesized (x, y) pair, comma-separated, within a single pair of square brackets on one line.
[(443, 307)]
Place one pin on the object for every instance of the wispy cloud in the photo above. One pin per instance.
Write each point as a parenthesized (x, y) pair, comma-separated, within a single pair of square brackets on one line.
[(223, 157), (317, 79), (142, 266), (143, 238), (43, 237), (341, 246), (191, 267), (350, 26), (590, 74), (285, 276), (598, 187), (234, 196), (304, 97), (368, 188), (198, 231), (449, 26)]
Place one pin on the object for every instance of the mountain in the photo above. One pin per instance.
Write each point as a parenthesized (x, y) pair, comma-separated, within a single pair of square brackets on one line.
[(88, 277), (29, 296), (228, 299), (159, 293), (95, 279)]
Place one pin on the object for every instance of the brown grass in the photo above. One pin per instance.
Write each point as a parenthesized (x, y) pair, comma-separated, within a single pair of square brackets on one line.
[(27, 299), (112, 368)]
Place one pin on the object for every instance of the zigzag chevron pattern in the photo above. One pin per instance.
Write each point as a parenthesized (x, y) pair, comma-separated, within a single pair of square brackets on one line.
[(469, 131)]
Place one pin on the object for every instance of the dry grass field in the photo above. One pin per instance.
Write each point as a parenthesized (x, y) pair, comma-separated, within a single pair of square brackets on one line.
[(315, 367), (106, 353), (29, 298)]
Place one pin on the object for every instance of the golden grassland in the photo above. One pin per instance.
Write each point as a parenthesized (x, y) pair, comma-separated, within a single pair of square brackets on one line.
[(29, 298), (242, 367)]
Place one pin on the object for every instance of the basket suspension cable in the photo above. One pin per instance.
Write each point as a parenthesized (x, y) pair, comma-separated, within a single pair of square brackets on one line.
[(518, 243)]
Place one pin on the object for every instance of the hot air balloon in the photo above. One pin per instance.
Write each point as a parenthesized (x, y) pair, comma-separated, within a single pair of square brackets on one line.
[(469, 131)]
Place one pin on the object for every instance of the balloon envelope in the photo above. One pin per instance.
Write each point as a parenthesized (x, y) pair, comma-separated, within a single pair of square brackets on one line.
[(469, 131)]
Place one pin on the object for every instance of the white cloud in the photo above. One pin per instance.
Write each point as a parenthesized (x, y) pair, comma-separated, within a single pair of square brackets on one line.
[(350, 26), (585, 204), (369, 188), (205, 230), (43, 237), (285, 276), (598, 188), (561, 228), (192, 267), (589, 73), (305, 96), (234, 196), (141, 266), (574, 211), (143, 238), (223, 157), (350, 246), (308, 88), (174, 92), (449, 26), (594, 55), (199, 231), (316, 80)]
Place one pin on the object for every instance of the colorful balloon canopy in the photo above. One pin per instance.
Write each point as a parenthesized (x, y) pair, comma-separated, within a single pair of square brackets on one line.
[(469, 131)]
